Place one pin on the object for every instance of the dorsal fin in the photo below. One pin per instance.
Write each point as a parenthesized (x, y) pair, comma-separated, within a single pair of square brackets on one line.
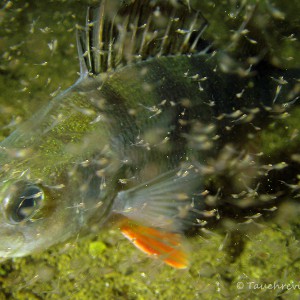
[(139, 30)]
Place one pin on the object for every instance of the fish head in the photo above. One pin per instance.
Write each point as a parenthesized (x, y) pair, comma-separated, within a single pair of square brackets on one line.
[(35, 207), (53, 175), (27, 216)]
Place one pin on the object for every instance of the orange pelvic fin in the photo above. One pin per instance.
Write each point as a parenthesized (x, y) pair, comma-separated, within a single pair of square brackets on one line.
[(165, 245)]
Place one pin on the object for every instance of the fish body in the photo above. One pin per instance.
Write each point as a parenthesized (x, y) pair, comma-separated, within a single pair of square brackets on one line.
[(129, 138)]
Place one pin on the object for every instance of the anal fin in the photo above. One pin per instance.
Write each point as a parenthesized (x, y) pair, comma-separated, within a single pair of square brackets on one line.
[(166, 246)]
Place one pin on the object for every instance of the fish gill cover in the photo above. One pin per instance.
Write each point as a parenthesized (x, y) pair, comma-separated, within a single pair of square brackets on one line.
[(236, 122)]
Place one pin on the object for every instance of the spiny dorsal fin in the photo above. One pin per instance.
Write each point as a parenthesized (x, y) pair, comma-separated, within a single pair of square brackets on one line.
[(139, 30)]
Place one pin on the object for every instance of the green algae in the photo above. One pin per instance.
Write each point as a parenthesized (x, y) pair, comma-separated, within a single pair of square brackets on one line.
[(281, 137), (271, 28), (96, 248), (104, 265), (120, 272)]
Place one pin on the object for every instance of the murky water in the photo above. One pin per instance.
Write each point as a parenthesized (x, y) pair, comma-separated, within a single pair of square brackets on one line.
[(243, 248)]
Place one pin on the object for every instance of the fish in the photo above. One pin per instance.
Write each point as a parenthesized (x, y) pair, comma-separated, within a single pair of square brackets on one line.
[(128, 143)]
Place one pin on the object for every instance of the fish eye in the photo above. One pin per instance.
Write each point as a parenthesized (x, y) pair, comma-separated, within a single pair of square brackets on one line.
[(23, 202)]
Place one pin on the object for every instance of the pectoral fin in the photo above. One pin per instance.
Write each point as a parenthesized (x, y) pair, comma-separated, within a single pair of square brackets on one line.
[(158, 211), (164, 245), (169, 201)]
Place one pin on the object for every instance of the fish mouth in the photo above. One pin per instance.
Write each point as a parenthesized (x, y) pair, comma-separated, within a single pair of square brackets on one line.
[(10, 242)]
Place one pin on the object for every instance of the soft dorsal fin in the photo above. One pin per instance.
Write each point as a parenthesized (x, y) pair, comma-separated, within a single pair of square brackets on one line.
[(139, 30)]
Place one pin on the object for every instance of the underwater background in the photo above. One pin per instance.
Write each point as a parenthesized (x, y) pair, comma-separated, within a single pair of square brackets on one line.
[(236, 256)]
